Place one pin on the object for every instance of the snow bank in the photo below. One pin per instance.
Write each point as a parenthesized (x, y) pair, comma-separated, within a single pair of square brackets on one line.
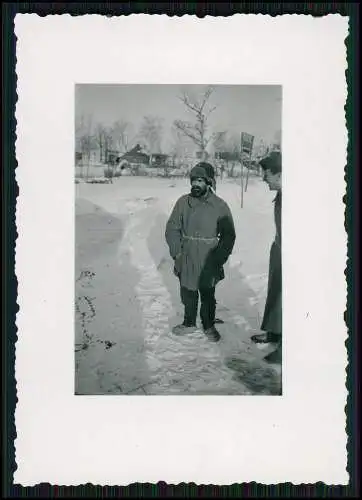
[(254, 222)]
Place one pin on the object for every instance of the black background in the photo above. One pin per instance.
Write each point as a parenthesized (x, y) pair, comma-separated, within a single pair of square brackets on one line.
[(9, 283)]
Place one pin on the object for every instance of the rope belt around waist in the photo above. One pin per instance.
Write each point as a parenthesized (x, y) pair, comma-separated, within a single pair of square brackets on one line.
[(197, 238)]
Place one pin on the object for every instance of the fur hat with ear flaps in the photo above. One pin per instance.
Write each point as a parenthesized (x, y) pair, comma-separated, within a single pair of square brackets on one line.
[(272, 162), (205, 171)]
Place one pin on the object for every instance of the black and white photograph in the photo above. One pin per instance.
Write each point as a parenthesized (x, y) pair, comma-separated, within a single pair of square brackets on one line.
[(178, 239), (181, 239)]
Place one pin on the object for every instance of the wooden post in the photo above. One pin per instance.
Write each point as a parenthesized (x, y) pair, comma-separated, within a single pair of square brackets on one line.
[(242, 171), (247, 174), (247, 177), (88, 161), (82, 167)]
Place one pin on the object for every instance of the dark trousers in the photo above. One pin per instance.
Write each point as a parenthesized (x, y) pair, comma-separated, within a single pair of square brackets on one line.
[(190, 300)]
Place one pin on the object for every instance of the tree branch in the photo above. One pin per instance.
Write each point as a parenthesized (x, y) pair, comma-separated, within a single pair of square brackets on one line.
[(206, 98), (188, 104), (186, 129), (197, 131), (211, 110)]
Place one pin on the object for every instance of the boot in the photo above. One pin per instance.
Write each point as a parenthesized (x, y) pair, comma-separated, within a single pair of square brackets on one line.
[(212, 334), (183, 329), (266, 338), (275, 357)]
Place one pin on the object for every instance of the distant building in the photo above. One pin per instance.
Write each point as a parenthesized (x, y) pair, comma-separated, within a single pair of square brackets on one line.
[(139, 156), (82, 157), (227, 156), (112, 157), (200, 154), (159, 160), (135, 155)]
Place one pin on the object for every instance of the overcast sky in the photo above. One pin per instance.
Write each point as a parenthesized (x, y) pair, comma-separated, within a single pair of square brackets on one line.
[(255, 109)]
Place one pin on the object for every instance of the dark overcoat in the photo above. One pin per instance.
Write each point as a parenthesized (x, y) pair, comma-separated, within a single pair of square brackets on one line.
[(200, 234), (272, 320)]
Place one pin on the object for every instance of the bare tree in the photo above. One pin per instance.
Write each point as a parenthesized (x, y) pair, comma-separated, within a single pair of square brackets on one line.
[(108, 141), (197, 130), (151, 132), (234, 148), (100, 139), (84, 138), (228, 145), (220, 141), (84, 134), (121, 135), (104, 139), (233, 143), (180, 144)]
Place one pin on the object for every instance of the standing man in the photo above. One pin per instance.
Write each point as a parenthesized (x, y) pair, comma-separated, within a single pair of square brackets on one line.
[(200, 234), (272, 320)]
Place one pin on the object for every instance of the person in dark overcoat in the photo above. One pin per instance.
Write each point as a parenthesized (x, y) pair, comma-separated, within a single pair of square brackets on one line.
[(200, 234), (272, 319)]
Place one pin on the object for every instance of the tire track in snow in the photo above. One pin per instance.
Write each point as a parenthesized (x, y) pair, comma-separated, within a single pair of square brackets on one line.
[(189, 364), (152, 295)]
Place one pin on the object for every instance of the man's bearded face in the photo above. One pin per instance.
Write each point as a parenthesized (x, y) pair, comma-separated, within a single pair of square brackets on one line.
[(198, 187)]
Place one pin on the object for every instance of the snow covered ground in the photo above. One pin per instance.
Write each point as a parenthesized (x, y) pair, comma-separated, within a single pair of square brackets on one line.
[(127, 298)]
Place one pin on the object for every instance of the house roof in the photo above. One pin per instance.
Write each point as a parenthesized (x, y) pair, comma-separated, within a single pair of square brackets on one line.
[(135, 155), (138, 154)]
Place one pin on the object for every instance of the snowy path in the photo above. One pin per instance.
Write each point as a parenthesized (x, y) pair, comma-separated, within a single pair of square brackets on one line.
[(135, 351)]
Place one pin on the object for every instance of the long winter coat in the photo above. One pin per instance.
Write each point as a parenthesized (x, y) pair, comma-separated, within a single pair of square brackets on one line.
[(200, 234), (272, 320)]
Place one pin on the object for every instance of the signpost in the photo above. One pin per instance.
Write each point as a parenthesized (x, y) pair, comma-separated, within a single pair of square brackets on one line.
[(246, 148)]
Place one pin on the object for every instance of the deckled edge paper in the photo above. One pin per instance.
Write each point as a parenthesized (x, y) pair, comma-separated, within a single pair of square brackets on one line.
[(300, 437)]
